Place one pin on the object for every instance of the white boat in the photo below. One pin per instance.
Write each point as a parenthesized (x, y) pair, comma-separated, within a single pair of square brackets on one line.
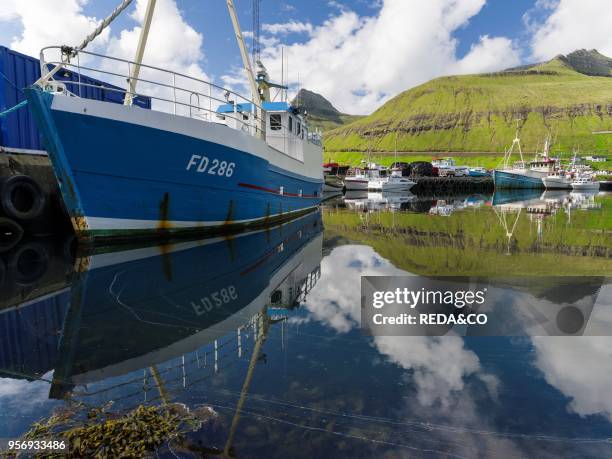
[(357, 182), (448, 168), (557, 182), (585, 182), (396, 183), (332, 183), (369, 178), (376, 201), (333, 175), (376, 184)]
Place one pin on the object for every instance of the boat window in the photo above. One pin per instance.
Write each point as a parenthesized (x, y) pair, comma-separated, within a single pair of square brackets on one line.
[(299, 128), (276, 297), (290, 123), (275, 122)]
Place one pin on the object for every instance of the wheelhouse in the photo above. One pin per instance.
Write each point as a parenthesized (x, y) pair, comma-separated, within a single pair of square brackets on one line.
[(286, 128)]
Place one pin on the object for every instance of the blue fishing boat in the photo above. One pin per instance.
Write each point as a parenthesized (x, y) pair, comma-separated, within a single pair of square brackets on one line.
[(478, 172), (203, 159), (523, 174), (517, 179)]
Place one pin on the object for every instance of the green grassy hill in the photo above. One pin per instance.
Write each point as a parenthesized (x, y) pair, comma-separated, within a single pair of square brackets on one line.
[(479, 113)]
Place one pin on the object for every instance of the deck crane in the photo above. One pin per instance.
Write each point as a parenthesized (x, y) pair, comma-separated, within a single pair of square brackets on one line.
[(263, 79)]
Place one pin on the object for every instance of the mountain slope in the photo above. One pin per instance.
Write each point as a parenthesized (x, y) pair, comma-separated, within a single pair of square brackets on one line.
[(321, 112), (479, 113)]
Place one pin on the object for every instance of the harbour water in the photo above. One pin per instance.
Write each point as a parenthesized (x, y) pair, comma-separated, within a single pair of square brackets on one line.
[(255, 340)]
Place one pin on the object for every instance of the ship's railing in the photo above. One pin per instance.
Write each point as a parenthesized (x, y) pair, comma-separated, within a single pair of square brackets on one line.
[(169, 91), (184, 371)]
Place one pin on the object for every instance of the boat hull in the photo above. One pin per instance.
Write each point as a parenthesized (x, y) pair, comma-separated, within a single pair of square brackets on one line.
[(557, 183), (333, 183), (376, 184), (125, 172), (396, 187), (354, 184), (592, 186), (511, 180)]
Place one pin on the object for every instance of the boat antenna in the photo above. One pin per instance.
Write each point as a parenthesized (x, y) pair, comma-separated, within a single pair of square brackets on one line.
[(282, 71), (256, 47)]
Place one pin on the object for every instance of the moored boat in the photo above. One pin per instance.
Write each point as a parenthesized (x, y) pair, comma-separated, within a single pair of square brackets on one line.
[(478, 172), (333, 175), (585, 183), (332, 183), (557, 182), (357, 181), (203, 160), (447, 167), (396, 183), (523, 174), (376, 184)]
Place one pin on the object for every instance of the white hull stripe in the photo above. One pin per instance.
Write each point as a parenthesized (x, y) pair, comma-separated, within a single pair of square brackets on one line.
[(102, 223), (113, 258)]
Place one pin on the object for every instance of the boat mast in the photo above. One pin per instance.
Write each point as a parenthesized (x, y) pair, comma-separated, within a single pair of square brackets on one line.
[(140, 49), (517, 142), (261, 132)]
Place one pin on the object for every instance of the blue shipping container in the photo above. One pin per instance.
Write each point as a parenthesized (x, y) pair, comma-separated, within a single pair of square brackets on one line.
[(17, 71), (30, 334)]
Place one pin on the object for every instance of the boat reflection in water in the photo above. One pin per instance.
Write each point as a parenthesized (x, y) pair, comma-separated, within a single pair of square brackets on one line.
[(443, 205), (155, 304), (135, 309)]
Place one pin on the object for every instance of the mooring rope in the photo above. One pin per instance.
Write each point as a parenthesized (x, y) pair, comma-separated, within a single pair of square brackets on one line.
[(23, 103), (69, 51), (103, 25), (11, 82)]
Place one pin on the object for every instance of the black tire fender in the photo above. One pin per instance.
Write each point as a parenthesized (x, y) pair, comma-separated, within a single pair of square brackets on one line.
[(11, 233), (28, 263), (21, 198)]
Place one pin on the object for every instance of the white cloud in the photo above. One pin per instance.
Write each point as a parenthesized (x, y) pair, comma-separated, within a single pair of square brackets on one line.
[(572, 24), (45, 23), (360, 62), (581, 368), (339, 272), (23, 397), (485, 56), (287, 27), (440, 365), (171, 44)]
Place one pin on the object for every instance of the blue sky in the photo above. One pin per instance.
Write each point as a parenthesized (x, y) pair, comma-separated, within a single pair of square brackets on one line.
[(497, 17), (357, 53)]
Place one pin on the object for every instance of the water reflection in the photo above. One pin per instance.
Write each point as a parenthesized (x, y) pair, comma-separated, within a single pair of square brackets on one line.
[(516, 232), (265, 330), (534, 201)]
